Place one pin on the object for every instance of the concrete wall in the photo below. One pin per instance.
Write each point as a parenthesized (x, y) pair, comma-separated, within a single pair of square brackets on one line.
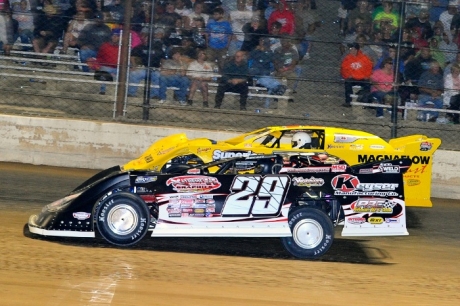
[(99, 145)]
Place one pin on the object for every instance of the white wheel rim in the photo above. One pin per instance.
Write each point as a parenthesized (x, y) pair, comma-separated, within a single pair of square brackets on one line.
[(122, 219), (308, 233)]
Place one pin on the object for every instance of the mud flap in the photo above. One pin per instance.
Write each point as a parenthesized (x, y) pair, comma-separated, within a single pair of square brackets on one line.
[(375, 219)]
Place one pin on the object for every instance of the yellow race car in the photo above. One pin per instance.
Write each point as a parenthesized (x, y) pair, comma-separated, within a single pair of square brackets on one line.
[(354, 147)]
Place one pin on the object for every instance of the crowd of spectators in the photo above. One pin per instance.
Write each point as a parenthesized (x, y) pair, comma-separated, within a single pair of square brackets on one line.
[(412, 47), (236, 43)]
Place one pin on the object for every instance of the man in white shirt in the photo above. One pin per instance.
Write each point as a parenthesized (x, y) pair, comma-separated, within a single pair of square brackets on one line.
[(238, 19)]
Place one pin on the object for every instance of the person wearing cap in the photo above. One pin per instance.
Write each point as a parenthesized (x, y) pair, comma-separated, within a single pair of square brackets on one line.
[(92, 37), (421, 24), (387, 17), (382, 81), (219, 35), (446, 17), (48, 29), (356, 70), (253, 31), (285, 17)]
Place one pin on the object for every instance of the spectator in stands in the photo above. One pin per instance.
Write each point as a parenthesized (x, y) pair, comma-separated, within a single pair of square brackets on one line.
[(76, 25), (92, 37), (25, 19), (360, 14), (451, 84), (48, 29), (261, 65), (436, 53), (188, 50), (199, 73), (283, 16), (421, 25), (6, 30), (238, 18), (388, 17), (431, 86), (438, 7), (175, 36), (210, 5), (391, 53), (195, 14), (447, 70), (446, 18), (311, 22), (219, 36), (286, 64), (366, 49), (351, 37), (107, 58), (382, 85), (142, 17), (417, 66), (198, 32), (116, 10), (356, 70), (169, 16), (253, 31), (274, 37), (140, 57), (272, 6), (173, 73), (183, 8), (235, 79)]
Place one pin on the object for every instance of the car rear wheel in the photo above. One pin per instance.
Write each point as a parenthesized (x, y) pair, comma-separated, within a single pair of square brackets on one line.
[(312, 233), (122, 219)]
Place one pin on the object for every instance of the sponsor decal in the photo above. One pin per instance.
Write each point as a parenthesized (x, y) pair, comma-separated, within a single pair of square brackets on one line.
[(163, 152), (426, 146), (193, 171), (148, 158), (208, 215), (200, 206), (143, 190), (347, 184), (338, 168), (375, 220), (200, 201), (148, 198), (366, 171), (377, 147), (343, 138), (81, 215), (330, 146), (218, 154), (174, 210), (175, 215), (331, 160), (186, 205), (424, 160), (187, 210), (356, 220), (211, 208), (372, 205), (203, 150), (388, 168), (305, 170), (145, 179), (196, 215), (413, 182), (210, 201), (391, 220), (184, 215), (308, 182), (198, 210), (356, 147), (204, 196), (193, 183)]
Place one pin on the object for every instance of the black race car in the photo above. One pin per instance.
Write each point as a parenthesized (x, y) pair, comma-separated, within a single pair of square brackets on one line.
[(298, 197)]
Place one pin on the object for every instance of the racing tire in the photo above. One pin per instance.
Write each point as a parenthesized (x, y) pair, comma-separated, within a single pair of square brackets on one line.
[(312, 233), (122, 219)]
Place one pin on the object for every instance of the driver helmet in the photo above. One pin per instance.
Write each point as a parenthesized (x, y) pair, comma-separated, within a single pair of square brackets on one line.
[(301, 140)]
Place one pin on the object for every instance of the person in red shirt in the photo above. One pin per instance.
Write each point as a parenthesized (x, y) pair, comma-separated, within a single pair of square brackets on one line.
[(283, 16), (356, 70)]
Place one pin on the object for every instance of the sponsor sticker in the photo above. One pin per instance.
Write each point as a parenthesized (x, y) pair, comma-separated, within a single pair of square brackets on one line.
[(145, 179), (347, 184), (218, 154), (203, 150), (413, 182), (148, 158), (377, 147), (338, 168), (343, 138), (193, 183), (308, 182), (331, 146), (426, 146), (305, 170), (356, 147), (375, 220), (391, 220), (81, 215), (193, 171), (388, 168), (166, 151), (356, 220), (372, 205), (364, 158)]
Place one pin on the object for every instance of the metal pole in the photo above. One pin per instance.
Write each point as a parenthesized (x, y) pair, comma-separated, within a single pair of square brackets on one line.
[(124, 57), (146, 103)]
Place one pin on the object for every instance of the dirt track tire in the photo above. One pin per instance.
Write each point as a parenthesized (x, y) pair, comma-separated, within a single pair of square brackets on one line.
[(122, 219), (312, 233)]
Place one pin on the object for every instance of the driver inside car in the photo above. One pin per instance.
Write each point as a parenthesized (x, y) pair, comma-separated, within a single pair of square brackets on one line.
[(301, 140)]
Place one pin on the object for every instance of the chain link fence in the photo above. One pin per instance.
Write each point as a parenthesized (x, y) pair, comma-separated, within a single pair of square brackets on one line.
[(60, 81)]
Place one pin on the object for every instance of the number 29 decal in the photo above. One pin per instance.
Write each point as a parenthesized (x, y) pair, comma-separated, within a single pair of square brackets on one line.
[(256, 195)]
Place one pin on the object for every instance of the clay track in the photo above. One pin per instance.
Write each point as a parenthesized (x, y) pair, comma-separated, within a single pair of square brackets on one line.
[(420, 269)]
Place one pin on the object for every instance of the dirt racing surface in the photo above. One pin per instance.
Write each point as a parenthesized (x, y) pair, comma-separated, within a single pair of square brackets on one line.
[(420, 269)]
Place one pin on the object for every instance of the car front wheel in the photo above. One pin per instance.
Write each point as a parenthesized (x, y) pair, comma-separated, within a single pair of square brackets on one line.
[(312, 233), (122, 219)]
